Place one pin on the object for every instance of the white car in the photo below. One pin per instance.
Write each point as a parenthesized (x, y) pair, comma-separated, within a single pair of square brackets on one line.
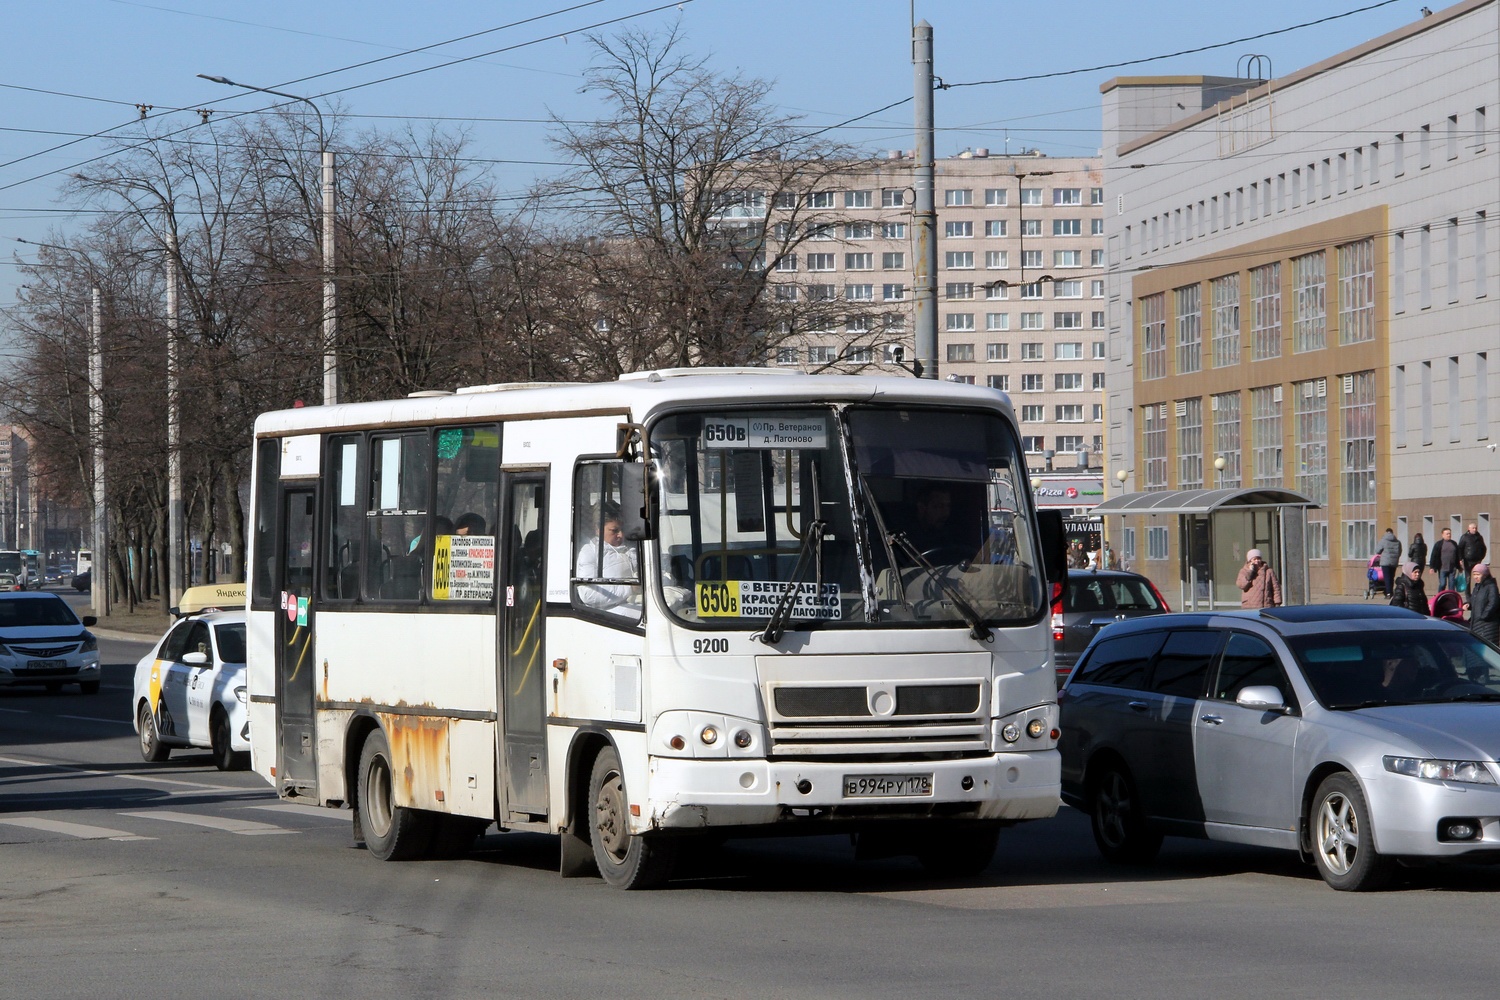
[(42, 642), (190, 690)]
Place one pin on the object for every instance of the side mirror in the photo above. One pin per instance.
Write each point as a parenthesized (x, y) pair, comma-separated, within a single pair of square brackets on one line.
[(195, 659), (89, 621), (1262, 696), (635, 501), (1054, 545)]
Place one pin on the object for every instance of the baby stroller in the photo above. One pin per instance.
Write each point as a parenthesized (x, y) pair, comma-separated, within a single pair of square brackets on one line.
[(1449, 606), (1375, 585)]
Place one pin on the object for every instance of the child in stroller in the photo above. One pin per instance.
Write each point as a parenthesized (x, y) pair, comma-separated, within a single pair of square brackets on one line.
[(1375, 579), (1449, 606)]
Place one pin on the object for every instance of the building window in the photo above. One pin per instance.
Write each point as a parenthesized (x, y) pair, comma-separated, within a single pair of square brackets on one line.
[(1310, 453), (1033, 383), (786, 293), (822, 355), (820, 231), (894, 292), (1031, 259), (1069, 413), (1154, 444), (958, 230), (1096, 196), (893, 198), (1031, 290), (820, 199), (1156, 542), (961, 352), (820, 262), (957, 290), (996, 321), (857, 324), (1067, 196), (1129, 547), (1001, 382), (1067, 227), (1226, 319), (1265, 312), (997, 291), (858, 355), (893, 230), (996, 352), (1067, 258), (787, 262), (859, 199), (1098, 381), (994, 227), (997, 260), (1190, 444), (895, 323), (1096, 322), (959, 260), (956, 197), (1033, 444), (859, 262), (822, 293), (1068, 321), (786, 200), (859, 293), (1226, 411), (1096, 227), (1310, 296), (1031, 321), (786, 355), (960, 322), (1153, 312), (1032, 351), (1031, 227), (1097, 416), (1031, 196), (859, 231), (1189, 302), (1068, 381), (1097, 350), (1069, 443), (1071, 289), (1357, 292), (893, 260), (1265, 436), (1068, 351), (1033, 413), (1357, 473)]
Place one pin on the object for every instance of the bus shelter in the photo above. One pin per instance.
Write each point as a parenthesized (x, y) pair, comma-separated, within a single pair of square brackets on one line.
[(1215, 528)]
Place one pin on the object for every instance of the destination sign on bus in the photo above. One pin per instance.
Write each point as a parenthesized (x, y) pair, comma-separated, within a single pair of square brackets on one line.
[(759, 598), (769, 431), (463, 568)]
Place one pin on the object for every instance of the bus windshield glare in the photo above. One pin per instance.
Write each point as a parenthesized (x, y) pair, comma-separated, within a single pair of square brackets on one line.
[(838, 516)]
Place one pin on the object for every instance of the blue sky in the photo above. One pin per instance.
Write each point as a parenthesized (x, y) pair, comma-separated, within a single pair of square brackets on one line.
[(829, 61)]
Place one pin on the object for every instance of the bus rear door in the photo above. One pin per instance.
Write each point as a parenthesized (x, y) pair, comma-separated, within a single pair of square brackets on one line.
[(296, 667), (522, 543)]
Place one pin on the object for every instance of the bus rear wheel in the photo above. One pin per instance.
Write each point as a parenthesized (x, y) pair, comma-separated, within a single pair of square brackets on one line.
[(391, 832), (626, 860)]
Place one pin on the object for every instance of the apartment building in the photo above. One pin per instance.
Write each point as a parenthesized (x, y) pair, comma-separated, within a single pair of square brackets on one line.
[(1302, 289), (1020, 284)]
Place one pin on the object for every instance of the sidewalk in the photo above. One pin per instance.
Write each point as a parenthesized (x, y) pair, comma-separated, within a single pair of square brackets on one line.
[(140, 625)]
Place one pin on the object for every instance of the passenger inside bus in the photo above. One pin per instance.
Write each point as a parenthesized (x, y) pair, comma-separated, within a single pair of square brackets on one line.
[(469, 524), (610, 558)]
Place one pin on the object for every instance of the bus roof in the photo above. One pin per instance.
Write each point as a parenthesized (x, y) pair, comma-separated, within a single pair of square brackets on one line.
[(637, 395)]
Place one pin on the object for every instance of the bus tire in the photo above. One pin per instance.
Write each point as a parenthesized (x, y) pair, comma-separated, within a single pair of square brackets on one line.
[(960, 851), (625, 860), (392, 832)]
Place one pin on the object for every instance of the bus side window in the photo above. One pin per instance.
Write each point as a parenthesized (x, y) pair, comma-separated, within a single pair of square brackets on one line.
[(267, 476), (465, 506), (396, 542), (600, 551), (343, 515)]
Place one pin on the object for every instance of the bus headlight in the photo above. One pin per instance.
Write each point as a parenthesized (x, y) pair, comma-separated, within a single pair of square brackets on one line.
[(705, 736), (1034, 728), (709, 735)]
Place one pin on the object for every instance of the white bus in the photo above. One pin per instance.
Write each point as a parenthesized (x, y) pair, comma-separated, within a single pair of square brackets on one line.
[(723, 602)]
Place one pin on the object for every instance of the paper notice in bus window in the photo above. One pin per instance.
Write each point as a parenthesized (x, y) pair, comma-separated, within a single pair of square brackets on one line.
[(759, 598), (463, 568), (768, 431)]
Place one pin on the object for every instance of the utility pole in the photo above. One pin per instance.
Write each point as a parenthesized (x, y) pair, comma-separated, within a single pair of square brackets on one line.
[(924, 214), (330, 290), (175, 531), (98, 584)]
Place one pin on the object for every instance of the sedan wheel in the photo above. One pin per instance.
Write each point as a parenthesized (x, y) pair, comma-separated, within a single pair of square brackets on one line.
[(152, 748), (1342, 844), (1120, 829)]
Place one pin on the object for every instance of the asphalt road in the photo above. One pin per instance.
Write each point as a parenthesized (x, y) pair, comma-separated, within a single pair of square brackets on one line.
[(121, 878)]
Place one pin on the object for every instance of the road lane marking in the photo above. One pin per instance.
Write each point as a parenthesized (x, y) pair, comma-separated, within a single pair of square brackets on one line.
[(316, 811), (194, 787), (243, 827), (90, 718), (78, 830)]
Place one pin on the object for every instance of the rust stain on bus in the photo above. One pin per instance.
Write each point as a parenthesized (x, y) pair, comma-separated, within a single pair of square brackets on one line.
[(421, 757)]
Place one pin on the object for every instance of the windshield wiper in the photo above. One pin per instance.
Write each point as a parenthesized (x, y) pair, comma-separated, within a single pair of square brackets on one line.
[(885, 541), (977, 628), (782, 613)]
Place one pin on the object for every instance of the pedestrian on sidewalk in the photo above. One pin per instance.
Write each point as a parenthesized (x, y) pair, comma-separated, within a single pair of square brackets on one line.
[(1390, 558), (1409, 591), (1418, 551), (1484, 604), (1446, 562), (1257, 582), (1471, 549)]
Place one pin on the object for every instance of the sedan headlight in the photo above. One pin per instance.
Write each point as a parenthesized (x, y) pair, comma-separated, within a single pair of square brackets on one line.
[(90, 643), (1472, 772)]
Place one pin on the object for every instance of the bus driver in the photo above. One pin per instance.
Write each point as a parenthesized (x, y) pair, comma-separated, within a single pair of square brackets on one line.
[(611, 558)]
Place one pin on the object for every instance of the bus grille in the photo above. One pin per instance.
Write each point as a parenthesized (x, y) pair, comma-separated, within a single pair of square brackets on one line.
[(838, 721)]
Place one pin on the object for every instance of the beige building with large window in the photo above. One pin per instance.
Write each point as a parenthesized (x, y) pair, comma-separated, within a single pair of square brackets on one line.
[(1020, 284), (1302, 290)]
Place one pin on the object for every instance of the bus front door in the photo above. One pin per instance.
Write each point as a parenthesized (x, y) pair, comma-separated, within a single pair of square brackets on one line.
[(296, 764), (522, 612)]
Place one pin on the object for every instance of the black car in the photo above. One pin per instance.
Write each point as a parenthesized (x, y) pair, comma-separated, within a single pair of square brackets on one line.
[(1092, 599)]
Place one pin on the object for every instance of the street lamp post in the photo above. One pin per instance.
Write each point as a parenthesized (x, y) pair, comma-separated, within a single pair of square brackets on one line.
[(330, 288), (1219, 464)]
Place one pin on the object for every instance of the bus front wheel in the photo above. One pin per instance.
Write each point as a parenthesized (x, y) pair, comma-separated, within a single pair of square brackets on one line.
[(626, 860), (391, 832)]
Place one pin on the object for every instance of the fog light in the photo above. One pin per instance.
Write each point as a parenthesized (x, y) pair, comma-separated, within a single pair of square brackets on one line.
[(709, 736), (677, 743), (1010, 733), (742, 738), (966, 783), (1034, 728), (1458, 829), (804, 786)]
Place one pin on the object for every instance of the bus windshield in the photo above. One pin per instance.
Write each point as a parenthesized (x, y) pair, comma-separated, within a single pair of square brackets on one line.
[(844, 517), (10, 562)]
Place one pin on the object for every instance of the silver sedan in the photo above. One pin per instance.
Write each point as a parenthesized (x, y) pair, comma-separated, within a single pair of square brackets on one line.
[(1358, 736)]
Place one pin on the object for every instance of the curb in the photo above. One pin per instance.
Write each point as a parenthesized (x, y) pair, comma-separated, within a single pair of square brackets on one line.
[(144, 638)]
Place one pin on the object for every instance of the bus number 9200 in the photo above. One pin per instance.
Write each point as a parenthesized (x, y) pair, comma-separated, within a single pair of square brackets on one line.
[(710, 645)]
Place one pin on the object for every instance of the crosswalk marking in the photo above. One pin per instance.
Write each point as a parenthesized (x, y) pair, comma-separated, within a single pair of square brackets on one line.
[(79, 830), (243, 827), (300, 810)]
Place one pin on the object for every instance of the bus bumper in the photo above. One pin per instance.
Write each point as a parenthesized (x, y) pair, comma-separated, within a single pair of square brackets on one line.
[(694, 794)]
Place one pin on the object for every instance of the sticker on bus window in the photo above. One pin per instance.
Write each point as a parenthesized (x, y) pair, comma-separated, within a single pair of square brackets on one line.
[(463, 568), (770, 431), (759, 599)]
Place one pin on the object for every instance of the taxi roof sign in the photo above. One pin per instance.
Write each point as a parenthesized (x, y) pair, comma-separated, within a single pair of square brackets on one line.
[(211, 597)]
